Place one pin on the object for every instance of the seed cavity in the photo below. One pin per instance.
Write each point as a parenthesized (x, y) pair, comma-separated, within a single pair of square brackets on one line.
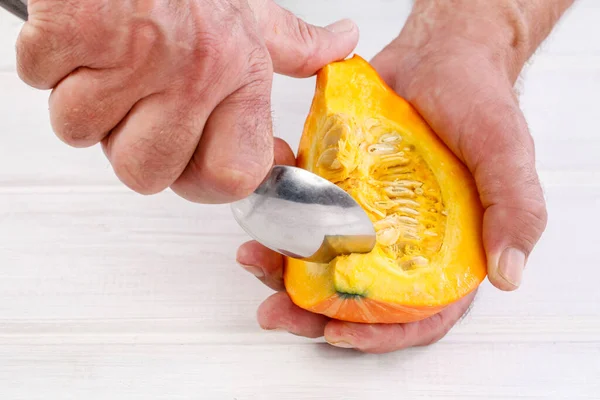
[(379, 166)]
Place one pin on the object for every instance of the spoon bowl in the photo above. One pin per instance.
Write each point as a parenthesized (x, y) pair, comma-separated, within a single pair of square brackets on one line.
[(301, 215)]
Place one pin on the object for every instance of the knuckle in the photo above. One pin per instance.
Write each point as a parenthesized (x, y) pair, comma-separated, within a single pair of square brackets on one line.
[(216, 46), (502, 179), (46, 42), (131, 172), (213, 49), (435, 329), (70, 126), (531, 221), (32, 57), (225, 49), (521, 221), (218, 177), (307, 33), (146, 167), (214, 61), (128, 173), (525, 218), (540, 215), (238, 176), (501, 129), (135, 176)]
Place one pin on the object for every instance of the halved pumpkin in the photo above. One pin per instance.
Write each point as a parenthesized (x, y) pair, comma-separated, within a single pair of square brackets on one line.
[(422, 200)]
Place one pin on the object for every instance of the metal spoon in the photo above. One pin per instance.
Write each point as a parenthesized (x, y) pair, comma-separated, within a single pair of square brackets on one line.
[(299, 214), (293, 212)]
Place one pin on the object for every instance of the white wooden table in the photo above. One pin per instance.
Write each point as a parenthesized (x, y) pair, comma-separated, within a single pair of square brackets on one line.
[(105, 294)]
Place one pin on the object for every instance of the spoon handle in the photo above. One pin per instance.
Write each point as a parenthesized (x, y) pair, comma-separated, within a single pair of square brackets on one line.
[(16, 7)]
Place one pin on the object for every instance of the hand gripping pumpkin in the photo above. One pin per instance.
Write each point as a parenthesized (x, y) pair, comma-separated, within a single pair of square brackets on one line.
[(423, 202)]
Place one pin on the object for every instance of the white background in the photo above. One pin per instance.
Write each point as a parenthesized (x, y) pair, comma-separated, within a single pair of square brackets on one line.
[(108, 294)]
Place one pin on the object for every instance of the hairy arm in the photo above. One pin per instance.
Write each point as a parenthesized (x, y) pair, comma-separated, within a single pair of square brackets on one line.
[(512, 29)]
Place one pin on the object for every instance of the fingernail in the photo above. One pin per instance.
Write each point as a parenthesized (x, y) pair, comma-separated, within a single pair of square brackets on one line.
[(283, 327), (344, 344), (256, 271), (342, 26), (284, 330), (511, 265), (341, 344)]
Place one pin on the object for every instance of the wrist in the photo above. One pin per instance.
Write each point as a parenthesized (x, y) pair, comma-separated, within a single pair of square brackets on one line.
[(508, 33)]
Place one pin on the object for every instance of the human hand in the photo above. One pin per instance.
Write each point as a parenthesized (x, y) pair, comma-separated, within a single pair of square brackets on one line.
[(463, 86), (178, 93)]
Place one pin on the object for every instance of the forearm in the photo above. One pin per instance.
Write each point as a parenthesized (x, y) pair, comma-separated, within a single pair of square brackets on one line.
[(511, 29)]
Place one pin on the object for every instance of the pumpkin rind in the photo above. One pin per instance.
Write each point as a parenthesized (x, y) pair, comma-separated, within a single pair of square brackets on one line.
[(422, 200)]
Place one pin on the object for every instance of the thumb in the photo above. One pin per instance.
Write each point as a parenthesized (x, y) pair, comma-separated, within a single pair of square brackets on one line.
[(501, 156), (300, 49)]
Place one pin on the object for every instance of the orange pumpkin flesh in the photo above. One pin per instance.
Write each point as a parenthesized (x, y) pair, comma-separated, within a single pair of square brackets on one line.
[(423, 202)]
